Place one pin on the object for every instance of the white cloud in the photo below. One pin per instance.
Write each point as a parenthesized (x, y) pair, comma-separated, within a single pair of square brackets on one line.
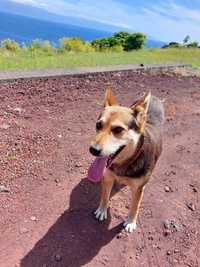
[(178, 12), (35, 3), (167, 22)]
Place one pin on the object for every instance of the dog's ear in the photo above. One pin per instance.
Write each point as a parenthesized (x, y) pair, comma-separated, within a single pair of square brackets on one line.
[(140, 109), (110, 100)]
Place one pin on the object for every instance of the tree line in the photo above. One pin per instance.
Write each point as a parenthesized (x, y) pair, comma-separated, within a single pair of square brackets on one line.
[(187, 42), (120, 41)]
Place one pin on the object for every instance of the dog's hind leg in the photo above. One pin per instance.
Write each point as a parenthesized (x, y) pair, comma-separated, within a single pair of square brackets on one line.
[(106, 187)]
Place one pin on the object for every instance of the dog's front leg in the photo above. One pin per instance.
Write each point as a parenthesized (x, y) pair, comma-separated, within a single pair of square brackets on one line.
[(106, 187), (130, 223)]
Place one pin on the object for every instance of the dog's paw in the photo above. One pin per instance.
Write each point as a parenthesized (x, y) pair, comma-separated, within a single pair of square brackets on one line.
[(129, 226), (101, 214)]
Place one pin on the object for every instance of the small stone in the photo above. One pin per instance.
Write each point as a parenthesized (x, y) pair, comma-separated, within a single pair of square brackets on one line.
[(172, 225), (166, 232), (119, 236), (60, 135), (23, 230), (58, 257), (168, 252), (78, 164), (4, 189), (33, 218), (176, 250), (191, 206), (19, 110), (4, 126), (194, 190), (57, 180), (106, 259), (167, 189)]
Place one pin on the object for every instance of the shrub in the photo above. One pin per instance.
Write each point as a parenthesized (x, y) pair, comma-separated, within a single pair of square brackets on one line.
[(61, 50), (35, 44), (117, 48), (40, 45), (172, 45), (74, 44), (105, 44), (121, 37), (193, 45), (135, 41), (24, 47), (47, 47), (10, 45)]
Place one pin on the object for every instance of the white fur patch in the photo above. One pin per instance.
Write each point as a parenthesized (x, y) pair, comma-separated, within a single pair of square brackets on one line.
[(134, 136), (113, 145), (101, 214), (130, 225)]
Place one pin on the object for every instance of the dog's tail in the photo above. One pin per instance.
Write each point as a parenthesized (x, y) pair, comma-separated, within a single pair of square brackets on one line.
[(156, 113)]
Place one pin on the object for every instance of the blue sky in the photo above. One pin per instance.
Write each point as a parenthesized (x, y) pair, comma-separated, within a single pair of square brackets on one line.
[(169, 20)]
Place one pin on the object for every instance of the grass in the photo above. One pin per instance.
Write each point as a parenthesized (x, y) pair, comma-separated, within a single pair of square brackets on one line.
[(42, 60)]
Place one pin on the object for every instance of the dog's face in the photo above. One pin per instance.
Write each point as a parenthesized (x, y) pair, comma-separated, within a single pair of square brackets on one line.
[(117, 125)]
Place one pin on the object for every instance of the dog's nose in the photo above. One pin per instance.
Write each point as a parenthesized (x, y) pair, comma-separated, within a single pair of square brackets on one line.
[(95, 150)]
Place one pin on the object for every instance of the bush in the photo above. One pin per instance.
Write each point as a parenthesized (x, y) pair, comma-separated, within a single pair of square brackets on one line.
[(35, 44), (117, 48), (193, 45), (135, 41), (121, 37), (23, 46), (105, 44), (10, 45), (47, 47), (172, 45), (40, 45), (75, 45)]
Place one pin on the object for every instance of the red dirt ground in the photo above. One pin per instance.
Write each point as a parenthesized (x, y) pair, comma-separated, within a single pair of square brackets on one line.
[(46, 218)]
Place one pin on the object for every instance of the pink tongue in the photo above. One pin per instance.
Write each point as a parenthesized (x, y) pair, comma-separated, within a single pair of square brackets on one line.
[(97, 168)]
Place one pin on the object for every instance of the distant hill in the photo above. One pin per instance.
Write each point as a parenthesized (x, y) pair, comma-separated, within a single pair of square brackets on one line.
[(154, 44), (24, 29)]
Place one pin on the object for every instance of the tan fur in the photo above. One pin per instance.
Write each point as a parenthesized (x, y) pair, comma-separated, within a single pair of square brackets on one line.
[(115, 115)]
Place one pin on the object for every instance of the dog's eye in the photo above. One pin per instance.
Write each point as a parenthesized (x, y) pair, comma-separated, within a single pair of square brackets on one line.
[(117, 129), (99, 125)]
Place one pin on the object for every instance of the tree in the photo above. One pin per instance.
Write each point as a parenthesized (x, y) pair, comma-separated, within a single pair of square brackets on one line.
[(135, 41), (121, 37), (186, 39), (104, 44)]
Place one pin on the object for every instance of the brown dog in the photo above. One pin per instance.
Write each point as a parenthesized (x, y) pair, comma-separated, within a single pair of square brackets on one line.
[(130, 139)]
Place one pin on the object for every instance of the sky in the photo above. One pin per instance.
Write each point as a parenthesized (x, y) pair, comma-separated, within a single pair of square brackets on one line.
[(169, 20)]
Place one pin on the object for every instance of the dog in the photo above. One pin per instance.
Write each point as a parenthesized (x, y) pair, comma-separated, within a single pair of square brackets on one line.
[(129, 140)]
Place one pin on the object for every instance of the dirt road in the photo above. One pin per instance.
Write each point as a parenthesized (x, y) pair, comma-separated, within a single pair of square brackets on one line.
[(46, 215)]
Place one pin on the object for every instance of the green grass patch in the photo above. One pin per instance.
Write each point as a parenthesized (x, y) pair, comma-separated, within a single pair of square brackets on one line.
[(25, 60)]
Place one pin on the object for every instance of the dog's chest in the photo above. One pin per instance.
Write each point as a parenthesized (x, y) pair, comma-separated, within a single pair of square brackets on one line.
[(133, 170)]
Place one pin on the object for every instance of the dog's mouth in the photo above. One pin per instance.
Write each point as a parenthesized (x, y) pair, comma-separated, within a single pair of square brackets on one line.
[(99, 165)]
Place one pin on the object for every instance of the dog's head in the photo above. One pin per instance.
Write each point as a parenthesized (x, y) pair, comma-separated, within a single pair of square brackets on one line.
[(117, 125)]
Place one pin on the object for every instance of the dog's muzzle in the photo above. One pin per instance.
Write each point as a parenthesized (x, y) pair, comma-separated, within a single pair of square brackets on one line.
[(95, 150)]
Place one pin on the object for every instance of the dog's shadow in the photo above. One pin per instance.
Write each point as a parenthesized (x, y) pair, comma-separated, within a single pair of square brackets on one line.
[(76, 237)]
